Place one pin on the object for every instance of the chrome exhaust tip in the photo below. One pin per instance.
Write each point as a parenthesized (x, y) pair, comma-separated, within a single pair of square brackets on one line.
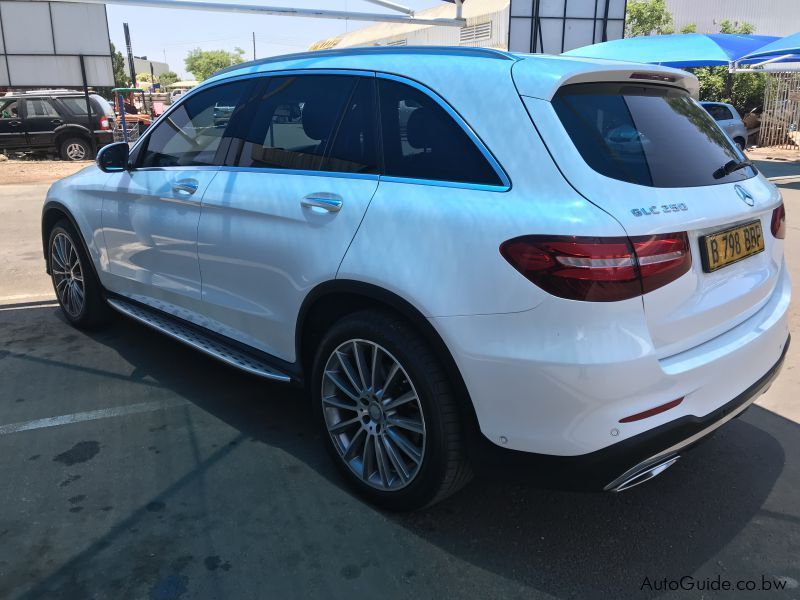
[(639, 474)]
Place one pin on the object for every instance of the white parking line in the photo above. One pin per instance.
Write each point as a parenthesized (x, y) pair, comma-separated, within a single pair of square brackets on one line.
[(90, 415)]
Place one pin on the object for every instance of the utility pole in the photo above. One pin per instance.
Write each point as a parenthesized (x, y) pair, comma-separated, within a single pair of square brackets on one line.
[(254, 45), (130, 53)]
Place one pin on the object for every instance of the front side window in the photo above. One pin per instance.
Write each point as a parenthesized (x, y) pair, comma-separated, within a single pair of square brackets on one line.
[(40, 107), (192, 134), (294, 120), (422, 141), (9, 109), (647, 135)]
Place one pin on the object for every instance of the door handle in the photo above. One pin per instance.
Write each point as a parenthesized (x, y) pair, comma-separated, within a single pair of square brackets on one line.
[(329, 204), (15, 123), (56, 121), (185, 187)]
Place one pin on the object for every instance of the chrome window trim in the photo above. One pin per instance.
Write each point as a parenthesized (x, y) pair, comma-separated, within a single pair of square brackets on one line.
[(306, 172), (478, 142), (485, 152)]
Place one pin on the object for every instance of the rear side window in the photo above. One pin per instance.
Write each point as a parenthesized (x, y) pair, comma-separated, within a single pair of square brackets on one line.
[(648, 135), (294, 120), (192, 134), (422, 141), (719, 112), (40, 107), (76, 106), (354, 148)]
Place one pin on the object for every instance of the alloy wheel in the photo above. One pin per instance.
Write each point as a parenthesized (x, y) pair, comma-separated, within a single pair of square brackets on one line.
[(373, 414), (67, 273), (76, 151)]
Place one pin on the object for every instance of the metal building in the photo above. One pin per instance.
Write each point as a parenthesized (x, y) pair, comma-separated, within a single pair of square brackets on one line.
[(770, 17)]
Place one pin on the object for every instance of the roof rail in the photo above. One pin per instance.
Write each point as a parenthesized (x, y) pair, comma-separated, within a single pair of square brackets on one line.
[(471, 51)]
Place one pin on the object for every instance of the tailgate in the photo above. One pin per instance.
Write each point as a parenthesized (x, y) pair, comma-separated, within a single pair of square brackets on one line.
[(699, 305)]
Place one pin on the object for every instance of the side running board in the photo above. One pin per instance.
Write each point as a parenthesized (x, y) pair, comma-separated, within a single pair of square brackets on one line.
[(208, 344)]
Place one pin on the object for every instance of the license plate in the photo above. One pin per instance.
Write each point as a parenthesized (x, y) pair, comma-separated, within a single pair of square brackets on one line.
[(726, 247)]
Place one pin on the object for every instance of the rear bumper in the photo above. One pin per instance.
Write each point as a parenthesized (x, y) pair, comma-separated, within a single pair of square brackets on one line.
[(562, 379), (609, 467)]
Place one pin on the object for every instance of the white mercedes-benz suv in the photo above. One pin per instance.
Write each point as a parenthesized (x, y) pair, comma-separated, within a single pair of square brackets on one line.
[(468, 257)]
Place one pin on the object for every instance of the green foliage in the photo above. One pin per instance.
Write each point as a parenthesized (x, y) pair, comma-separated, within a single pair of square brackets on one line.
[(144, 78), (167, 78), (689, 28), (204, 63), (118, 65), (646, 17), (727, 27)]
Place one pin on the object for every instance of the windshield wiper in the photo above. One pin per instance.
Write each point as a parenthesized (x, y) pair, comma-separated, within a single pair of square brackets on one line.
[(731, 166)]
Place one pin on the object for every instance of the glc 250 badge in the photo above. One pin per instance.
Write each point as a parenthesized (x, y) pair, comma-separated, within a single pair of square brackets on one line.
[(657, 210)]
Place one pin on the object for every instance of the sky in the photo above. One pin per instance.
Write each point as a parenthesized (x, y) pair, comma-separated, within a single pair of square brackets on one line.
[(168, 35)]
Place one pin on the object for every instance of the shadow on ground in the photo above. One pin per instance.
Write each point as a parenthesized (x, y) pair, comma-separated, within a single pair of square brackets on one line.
[(564, 544)]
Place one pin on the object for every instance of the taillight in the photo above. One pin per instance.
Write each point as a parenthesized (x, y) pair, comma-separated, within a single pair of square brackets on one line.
[(599, 269), (778, 224), (103, 123)]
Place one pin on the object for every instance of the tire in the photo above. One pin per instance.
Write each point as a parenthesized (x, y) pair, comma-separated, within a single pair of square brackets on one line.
[(375, 440), (75, 149), (77, 289)]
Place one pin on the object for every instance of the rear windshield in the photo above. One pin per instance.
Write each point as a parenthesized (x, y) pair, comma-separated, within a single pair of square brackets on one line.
[(648, 135)]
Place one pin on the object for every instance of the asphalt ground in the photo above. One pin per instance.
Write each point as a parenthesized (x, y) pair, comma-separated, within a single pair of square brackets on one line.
[(134, 467)]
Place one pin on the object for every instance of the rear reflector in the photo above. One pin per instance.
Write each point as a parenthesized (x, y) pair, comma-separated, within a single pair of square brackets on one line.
[(599, 269), (651, 411), (778, 224), (104, 123)]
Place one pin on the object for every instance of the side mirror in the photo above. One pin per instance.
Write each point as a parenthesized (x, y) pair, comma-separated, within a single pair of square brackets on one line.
[(113, 158)]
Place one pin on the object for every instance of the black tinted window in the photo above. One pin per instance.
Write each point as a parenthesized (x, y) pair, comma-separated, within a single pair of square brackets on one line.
[(421, 141), (719, 112), (648, 135), (293, 123), (192, 134), (354, 145)]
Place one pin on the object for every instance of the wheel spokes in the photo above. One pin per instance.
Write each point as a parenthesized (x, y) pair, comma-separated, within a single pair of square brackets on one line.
[(373, 414)]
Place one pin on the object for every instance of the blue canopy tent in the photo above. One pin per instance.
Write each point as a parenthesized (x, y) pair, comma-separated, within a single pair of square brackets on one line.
[(679, 50), (781, 48)]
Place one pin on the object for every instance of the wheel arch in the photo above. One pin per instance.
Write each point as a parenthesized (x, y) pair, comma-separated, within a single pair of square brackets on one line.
[(332, 300), (52, 213)]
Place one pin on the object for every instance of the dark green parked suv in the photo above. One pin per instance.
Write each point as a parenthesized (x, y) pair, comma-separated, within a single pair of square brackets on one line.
[(55, 122)]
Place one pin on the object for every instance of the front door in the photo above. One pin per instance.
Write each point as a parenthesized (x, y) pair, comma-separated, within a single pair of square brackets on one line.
[(12, 133), (151, 212), (279, 218)]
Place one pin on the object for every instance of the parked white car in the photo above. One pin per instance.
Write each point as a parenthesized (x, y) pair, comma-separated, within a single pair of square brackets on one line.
[(729, 121), (467, 256)]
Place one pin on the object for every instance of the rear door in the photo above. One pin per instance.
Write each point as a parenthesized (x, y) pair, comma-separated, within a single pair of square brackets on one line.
[(151, 212), (41, 118), (278, 219), (12, 133), (655, 160)]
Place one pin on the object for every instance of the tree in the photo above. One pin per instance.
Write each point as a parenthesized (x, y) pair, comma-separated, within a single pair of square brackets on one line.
[(645, 17), (204, 63), (118, 66), (689, 28), (167, 78), (726, 26), (144, 78)]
